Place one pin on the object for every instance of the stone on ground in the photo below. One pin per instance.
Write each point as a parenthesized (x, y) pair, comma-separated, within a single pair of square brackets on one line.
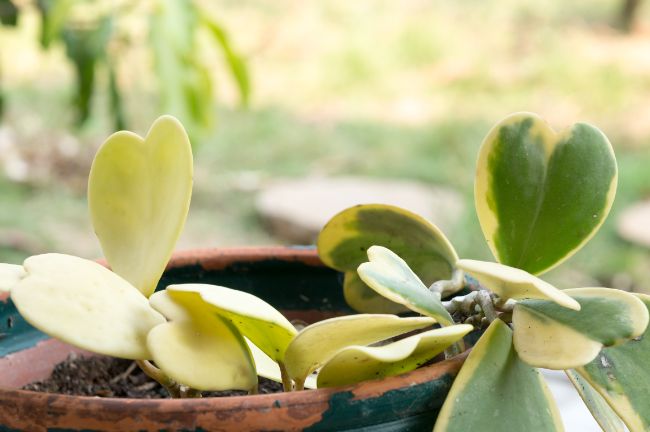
[(634, 224), (295, 210)]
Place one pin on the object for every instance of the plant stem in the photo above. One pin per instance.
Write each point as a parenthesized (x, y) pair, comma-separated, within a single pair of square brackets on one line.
[(300, 384), (157, 375), (484, 299), (287, 384), (448, 287)]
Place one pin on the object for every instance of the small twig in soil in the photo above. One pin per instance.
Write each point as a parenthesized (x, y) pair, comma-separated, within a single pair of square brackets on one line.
[(124, 374)]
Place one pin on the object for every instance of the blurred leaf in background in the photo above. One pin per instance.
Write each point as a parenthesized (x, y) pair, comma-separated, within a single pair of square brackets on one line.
[(90, 32)]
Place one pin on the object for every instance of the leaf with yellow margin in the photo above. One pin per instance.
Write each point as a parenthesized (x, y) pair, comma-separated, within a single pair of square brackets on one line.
[(513, 283), (343, 242), (253, 317), (360, 297), (495, 391), (391, 277), (199, 349), (354, 364), (622, 376), (540, 195), (86, 305), (139, 194), (269, 368), (10, 275), (317, 343), (550, 336), (597, 406)]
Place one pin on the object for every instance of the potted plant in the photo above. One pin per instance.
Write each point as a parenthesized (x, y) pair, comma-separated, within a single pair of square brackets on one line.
[(198, 336)]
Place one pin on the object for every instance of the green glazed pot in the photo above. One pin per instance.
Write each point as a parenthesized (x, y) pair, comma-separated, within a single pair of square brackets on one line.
[(292, 279)]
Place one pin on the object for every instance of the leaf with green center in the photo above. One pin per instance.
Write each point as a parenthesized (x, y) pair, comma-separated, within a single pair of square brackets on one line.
[(317, 343), (528, 179), (391, 277), (512, 283), (554, 337), (10, 275), (343, 242), (86, 305), (253, 317), (269, 368), (496, 391), (603, 414), (139, 194), (621, 375), (354, 364), (198, 348)]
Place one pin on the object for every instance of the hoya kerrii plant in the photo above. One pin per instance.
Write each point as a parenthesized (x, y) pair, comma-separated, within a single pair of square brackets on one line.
[(192, 337), (539, 196)]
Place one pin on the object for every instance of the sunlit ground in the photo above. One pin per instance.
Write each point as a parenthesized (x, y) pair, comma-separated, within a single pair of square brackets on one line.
[(392, 89)]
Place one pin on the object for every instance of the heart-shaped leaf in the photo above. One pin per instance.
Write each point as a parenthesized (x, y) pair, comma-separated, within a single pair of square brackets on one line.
[(86, 305), (621, 375), (139, 194), (343, 242), (10, 275), (495, 391), (354, 364), (253, 317), (512, 283), (391, 277), (316, 344), (199, 348), (603, 414), (554, 337), (540, 195)]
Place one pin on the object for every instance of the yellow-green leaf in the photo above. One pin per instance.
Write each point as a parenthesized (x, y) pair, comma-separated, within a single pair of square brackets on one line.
[(362, 298), (270, 369), (554, 337), (317, 343), (139, 193), (354, 364), (86, 305), (621, 375), (541, 195), (513, 283), (10, 275), (343, 242), (200, 349), (391, 277), (495, 391), (597, 406), (253, 317)]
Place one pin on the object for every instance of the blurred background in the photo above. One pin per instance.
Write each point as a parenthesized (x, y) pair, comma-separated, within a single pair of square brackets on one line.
[(289, 102)]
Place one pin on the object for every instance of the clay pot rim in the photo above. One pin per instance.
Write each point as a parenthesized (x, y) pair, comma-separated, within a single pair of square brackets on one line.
[(218, 258)]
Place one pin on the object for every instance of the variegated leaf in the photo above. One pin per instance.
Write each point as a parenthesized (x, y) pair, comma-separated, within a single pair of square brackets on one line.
[(139, 194), (553, 337), (512, 283), (198, 348), (597, 406), (317, 343), (86, 305), (622, 376), (343, 242), (541, 195), (253, 317), (496, 391), (391, 277), (354, 364)]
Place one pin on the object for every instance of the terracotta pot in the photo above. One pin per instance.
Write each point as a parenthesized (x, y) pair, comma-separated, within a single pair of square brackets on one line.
[(294, 280)]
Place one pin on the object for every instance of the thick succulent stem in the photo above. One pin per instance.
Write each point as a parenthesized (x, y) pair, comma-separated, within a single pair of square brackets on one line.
[(447, 287)]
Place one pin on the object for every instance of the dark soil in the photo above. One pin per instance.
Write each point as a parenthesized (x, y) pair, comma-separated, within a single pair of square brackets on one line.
[(111, 377)]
